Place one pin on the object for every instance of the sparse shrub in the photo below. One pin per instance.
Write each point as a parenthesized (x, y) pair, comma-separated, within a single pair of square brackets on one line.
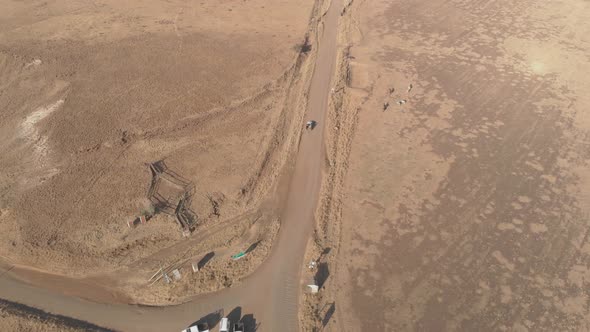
[(149, 211), (305, 46)]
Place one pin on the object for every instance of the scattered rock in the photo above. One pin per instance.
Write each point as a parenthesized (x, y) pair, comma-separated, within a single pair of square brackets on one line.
[(35, 63)]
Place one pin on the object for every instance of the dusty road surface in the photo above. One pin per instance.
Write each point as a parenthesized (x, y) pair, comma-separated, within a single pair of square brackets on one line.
[(466, 207), (269, 297)]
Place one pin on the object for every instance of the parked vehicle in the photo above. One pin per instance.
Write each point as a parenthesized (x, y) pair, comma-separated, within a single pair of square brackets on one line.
[(239, 327), (224, 325), (203, 327)]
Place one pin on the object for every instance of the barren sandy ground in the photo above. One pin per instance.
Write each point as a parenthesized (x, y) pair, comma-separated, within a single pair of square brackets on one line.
[(12, 322), (466, 207), (268, 296), (16, 317), (92, 91), (455, 194)]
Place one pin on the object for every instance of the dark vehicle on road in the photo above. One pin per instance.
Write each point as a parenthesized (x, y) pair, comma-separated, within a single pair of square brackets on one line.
[(239, 327)]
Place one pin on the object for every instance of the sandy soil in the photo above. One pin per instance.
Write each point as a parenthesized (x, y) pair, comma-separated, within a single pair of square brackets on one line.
[(91, 92), (466, 206), (268, 296), (454, 196), (11, 322), (17, 317)]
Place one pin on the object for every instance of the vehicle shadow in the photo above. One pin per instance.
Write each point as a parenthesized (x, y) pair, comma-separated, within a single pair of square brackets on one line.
[(250, 323), (323, 254), (252, 246), (205, 259), (211, 319), (329, 314), (235, 315), (322, 274)]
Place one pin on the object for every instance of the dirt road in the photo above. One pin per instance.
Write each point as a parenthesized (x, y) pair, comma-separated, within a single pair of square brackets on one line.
[(270, 294)]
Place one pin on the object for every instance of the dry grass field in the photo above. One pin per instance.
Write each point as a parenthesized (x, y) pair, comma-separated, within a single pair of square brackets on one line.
[(455, 166), (92, 92), (466, 202)]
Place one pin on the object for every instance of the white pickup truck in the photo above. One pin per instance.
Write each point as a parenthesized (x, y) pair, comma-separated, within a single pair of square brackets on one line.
[(224, 325)]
